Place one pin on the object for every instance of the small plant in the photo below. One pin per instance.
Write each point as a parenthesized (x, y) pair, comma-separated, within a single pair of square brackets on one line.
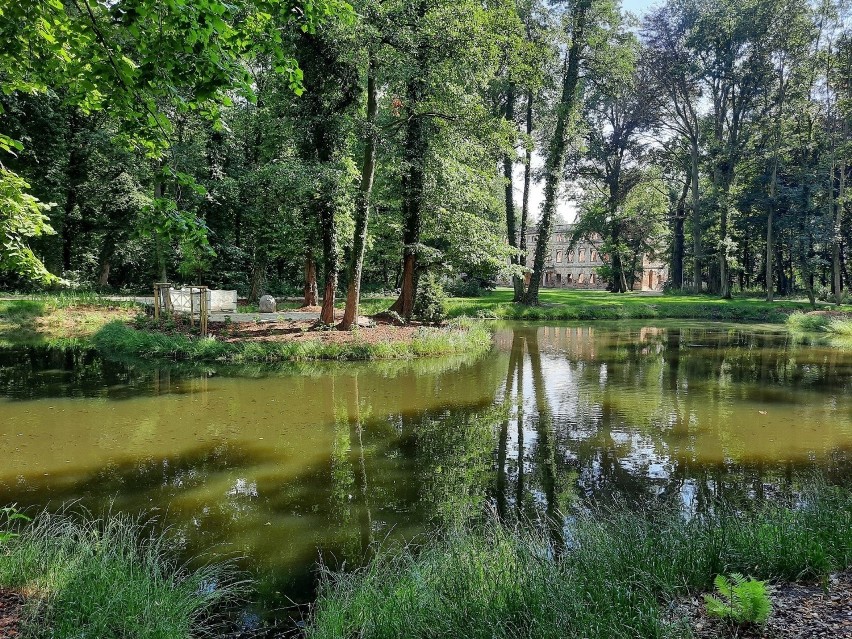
[(430, 306), (8, 515), (740, 599)]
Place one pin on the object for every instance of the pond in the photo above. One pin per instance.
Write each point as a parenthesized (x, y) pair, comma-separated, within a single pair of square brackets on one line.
[(283, 467)]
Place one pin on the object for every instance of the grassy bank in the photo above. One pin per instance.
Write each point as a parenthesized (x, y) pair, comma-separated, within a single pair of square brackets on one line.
[(614, 578), (834, 328), (92, 579), (58, 320), (600, 305), (119, 339)]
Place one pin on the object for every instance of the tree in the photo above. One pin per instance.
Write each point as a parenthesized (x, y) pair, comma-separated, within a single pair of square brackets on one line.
[(565, 115)]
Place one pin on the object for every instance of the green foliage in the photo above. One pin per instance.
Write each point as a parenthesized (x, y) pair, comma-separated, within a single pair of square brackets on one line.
[(430, 306), (740, 599), (73, 564), (8, 515), (22, 217)]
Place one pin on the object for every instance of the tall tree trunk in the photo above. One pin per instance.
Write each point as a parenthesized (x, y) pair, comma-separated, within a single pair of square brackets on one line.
[(840, 205), (258, 280), (556, 151), (74, 176), (770, 230), (678, 237), (330, 260), (414, 163), (107, 251), (362, 205), (525, 204), (724, 275), (509, 192), (696, 218), (310, 291), (159, 244)]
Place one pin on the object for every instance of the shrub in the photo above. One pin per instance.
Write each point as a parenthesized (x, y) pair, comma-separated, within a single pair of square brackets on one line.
[(740, 599), (430, 306)]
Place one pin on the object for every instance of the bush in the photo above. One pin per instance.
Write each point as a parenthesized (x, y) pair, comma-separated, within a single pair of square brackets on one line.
[(430, 306), (741, 600)]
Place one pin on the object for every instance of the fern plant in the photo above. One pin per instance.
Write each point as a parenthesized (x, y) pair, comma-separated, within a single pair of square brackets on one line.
[(740, 599)]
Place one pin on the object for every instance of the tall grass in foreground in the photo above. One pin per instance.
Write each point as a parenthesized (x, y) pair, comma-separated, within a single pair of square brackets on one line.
[(102, 579), (613, 579)]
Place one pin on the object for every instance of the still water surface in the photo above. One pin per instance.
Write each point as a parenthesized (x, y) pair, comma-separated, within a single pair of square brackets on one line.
[(284, 466)]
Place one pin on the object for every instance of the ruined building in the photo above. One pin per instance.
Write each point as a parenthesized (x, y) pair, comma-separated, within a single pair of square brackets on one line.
[(577, 266)]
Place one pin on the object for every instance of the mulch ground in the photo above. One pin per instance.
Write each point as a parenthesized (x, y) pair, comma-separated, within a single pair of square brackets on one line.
[(799, 611), (11, 606)]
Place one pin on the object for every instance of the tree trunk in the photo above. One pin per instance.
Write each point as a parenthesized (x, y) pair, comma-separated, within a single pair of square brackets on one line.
[(840, 205), (556, 151), (509, 193), (74, 176), (330, 258), (107, 251), (258, 280), (310, 291), (696, 219), (724, 276), (525, 205), (158, 239), (770, 232), (414, 161), (362, 205), (678, 239)]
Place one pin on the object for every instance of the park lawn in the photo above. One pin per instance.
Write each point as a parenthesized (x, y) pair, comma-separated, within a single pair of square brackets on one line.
[(592, 305), (58, 320)]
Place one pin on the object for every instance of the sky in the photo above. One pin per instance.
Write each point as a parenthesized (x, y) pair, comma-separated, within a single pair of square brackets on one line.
[(567, 209)]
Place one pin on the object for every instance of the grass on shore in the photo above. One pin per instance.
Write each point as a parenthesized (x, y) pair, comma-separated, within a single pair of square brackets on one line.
[(614, 578), (102, 579), (562, 304), (58, 320), (821, 323), (118, 339)]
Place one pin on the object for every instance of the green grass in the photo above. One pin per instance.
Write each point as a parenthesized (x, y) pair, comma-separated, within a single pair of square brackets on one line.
[(118, 339), (599, 305), (613, 579), (836, 328), (61, 320), (102, 579)]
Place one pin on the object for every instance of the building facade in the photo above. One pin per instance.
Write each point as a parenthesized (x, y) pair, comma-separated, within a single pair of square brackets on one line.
[(577, 267)]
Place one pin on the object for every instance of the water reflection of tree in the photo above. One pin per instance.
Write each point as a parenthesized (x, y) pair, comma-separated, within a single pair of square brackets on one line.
[(629, 413)]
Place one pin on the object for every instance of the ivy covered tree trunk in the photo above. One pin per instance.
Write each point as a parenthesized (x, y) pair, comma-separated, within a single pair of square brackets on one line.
[(362, 205), (556, 152)]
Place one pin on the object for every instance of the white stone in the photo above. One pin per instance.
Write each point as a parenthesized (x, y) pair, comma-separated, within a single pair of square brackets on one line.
[(267, 304), (220, 301)]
